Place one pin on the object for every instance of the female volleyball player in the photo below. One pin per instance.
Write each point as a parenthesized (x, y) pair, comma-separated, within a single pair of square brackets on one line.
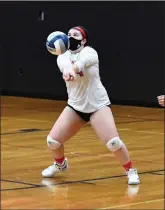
[(161, 100), (87, 101)]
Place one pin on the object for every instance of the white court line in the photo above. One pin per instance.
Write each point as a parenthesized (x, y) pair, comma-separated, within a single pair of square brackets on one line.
[(132, 204), (150, 132)]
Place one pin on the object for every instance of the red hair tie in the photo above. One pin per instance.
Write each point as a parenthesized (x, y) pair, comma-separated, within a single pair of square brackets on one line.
[(82, 31)]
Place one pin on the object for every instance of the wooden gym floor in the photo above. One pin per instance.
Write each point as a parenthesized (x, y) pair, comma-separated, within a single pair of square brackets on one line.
[(95, 179)]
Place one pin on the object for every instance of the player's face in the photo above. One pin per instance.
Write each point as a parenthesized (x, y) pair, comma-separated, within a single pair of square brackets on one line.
[(75, 34)]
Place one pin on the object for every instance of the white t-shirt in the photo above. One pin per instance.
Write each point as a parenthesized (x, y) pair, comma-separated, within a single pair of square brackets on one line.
[(87, 93)]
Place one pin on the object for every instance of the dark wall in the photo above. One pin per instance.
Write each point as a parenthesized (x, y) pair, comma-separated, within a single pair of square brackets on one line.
[(129, 37)]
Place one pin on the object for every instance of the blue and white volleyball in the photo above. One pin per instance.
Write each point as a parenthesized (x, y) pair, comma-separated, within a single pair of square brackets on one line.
[(57, 43)]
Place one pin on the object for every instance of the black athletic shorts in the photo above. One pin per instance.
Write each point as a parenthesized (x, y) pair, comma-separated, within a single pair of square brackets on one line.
[(84, 116)]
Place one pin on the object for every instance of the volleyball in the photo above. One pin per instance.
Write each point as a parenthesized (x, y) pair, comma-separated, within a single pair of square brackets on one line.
[(57, 43)]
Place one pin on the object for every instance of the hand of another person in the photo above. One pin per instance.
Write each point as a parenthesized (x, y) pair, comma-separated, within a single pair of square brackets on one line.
[(161, 100)]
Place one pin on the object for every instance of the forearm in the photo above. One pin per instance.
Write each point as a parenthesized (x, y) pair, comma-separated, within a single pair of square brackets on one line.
[(85, 61), (77, 68)]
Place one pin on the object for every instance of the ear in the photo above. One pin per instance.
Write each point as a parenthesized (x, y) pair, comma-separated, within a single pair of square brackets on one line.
[(83, 41)]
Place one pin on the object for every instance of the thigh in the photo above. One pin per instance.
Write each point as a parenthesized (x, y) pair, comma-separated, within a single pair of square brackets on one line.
[(103, 124), (67, 125)]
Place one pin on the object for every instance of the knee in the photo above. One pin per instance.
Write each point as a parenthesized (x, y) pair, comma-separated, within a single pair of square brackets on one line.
[(114, 144), (52, 143)]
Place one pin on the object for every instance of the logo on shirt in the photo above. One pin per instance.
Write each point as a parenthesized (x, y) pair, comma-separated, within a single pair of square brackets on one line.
[(80, 74)]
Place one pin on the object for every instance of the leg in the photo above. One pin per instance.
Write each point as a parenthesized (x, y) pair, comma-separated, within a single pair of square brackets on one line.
[(67, 125), (103, 124)]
